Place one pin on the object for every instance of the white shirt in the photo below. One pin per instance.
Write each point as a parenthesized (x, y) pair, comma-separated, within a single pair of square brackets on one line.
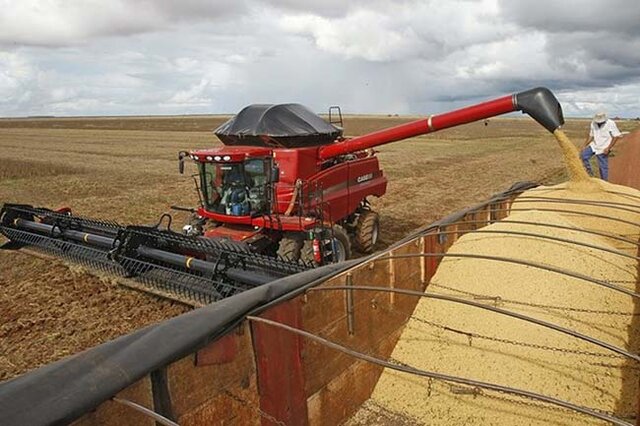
[(602, 135)]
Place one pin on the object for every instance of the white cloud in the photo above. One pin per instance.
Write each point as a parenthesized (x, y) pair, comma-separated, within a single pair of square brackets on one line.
[(409, 56), (613, 16), (413, 30), (194, 95), (364, 34), (70, 22), (617, 100), (17, 76)]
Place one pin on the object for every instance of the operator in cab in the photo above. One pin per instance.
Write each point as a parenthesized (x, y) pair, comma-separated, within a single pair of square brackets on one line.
[(235, 196)]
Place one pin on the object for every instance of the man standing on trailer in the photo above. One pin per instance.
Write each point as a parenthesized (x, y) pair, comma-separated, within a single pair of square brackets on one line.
[(603, 135)]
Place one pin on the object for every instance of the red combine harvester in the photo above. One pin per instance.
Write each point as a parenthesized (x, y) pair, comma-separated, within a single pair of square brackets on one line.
[(288, 182), (285, 193)]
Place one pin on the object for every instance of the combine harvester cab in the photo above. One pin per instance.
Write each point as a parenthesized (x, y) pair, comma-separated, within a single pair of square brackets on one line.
[(321, 347)]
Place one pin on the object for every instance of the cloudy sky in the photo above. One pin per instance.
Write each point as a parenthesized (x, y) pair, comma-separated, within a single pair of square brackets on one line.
[(112, 57)]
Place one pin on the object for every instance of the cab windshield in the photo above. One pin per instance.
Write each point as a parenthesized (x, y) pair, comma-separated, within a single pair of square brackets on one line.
[(235, 189)]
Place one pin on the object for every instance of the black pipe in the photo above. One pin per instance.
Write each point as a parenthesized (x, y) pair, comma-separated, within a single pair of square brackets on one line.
[(487, 222), (574, 212), (245, 277), (515, 261), (54, 231), (598, 203), (542, 237), (250, 278), (604, 205), (203, 266)]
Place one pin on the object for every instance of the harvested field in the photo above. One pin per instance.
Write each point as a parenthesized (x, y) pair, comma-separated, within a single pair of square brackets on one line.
[(25, 169), (51, 310), (125, 170)]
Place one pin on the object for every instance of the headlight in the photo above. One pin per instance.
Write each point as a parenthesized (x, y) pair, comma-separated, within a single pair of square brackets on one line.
[(217, 158), (226, 158)]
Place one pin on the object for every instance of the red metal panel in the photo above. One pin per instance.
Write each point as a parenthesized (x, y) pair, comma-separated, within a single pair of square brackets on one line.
[(623, 167), (283, 223), (234, 232), (279, 366), (298, 163), (219, 217), (221, 351), (334, 183), (432, 246), (365, 178)]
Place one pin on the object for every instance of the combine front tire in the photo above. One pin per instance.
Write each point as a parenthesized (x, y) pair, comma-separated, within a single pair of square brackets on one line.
[(290, 247), (367, 230), (340, 243), (306, 255)]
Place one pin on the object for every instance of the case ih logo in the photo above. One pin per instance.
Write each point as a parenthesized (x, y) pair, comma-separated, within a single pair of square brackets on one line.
[(364, 178)]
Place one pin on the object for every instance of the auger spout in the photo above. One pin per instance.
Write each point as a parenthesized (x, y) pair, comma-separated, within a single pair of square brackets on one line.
[(539, 103)]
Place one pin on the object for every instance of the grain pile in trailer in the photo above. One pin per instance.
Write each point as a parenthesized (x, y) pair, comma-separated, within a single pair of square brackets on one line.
[(572, 220)]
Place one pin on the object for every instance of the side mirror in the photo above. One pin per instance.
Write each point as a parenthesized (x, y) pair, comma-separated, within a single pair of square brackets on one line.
[(181, 156), (275, 174)]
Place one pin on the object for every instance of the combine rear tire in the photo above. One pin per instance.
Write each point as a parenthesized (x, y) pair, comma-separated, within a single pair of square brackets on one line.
[(290, 247), (367, 230)]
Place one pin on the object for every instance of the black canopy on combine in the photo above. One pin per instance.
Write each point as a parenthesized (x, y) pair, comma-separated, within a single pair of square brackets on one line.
[(285, 126)]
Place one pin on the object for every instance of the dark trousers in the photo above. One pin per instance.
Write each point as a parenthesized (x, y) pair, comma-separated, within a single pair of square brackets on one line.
[(603, 162)]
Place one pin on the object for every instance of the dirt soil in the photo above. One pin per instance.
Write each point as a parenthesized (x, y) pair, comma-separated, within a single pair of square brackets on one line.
[(50, 310), (125, 169)]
